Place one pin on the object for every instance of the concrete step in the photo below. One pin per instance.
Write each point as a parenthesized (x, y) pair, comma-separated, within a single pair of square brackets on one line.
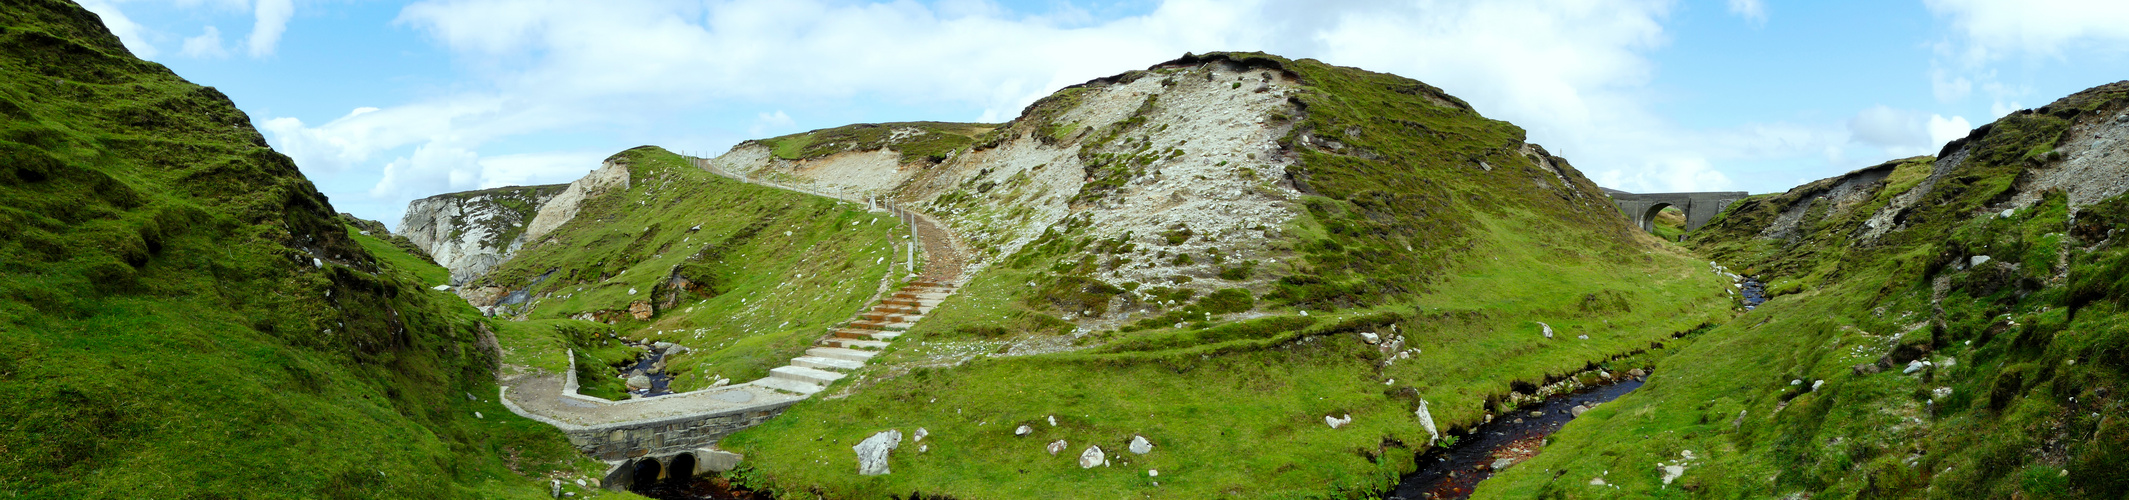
[(856, 333), (841, 353), (832, 364), (788, 385), (882, 326), (870, 345), (911, 309), (804, 374)]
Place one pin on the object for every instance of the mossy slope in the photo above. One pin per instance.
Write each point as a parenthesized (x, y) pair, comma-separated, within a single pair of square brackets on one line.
[(1418, 217), (2016, 307), (183, 316)]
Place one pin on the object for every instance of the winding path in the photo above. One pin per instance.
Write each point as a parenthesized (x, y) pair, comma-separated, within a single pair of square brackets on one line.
[(657, 429)]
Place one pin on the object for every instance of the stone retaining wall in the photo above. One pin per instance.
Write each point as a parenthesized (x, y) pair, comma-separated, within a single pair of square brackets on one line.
[(623, 441)]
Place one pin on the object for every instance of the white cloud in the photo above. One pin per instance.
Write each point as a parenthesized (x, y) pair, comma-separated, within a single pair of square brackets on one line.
[(1986, 32), (1899, 132), (130, 33), (1574, 72), (271, 21), (768, 122), (207, 45), (1943, 130), (1999, 109), (1754, 11), (2041, 27)]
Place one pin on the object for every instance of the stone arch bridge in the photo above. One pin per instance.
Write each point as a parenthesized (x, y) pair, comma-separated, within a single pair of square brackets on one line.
[(1699, 207)]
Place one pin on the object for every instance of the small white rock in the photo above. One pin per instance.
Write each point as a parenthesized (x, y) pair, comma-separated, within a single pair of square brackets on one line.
[(1914, 366), (1023, 430), (1057, 446), (1336, 422), (1140, 445), (1053, 420), (1092, 457)]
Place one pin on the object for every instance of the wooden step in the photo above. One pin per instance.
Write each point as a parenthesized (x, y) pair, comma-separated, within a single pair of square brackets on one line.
[(788, 385), (841, 353), (912, 310), (804, 374), (832, 364)]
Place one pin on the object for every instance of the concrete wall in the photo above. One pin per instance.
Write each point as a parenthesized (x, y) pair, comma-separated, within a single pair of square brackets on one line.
[(1699, 207)]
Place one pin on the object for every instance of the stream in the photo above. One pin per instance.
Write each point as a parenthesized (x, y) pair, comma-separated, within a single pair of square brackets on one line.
[(651, 365), (1509, 439)]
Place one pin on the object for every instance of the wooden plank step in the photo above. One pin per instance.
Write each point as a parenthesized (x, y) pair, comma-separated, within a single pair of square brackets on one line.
[(841, 353), (804, 374), (832, 364)]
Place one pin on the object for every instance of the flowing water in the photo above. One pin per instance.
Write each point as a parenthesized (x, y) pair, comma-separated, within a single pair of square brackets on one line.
[(1509, 439)]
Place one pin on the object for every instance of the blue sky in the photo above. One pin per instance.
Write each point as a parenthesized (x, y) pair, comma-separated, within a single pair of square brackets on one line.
[(382, 102)]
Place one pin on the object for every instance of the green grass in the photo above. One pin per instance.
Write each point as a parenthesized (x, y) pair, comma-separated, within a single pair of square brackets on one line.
[(770, 269), (933, 142), (2025, 396), (165, 331), (1409, 239)]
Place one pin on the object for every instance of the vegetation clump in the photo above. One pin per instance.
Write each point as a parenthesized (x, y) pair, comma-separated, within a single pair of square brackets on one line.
[(183, 315)]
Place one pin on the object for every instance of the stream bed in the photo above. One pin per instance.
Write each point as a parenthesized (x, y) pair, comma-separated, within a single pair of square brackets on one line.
[(1508, 440)]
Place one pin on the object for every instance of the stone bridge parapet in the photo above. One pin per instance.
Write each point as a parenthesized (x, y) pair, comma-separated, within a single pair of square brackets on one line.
[(1699, 208)]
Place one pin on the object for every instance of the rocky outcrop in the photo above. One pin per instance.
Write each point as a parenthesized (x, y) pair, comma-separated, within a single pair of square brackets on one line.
[(612, 174), (872, 452), (471, 232)]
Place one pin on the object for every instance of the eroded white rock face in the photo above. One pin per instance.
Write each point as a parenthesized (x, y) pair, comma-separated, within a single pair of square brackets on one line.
[(610, 175), (872, 452), (1200, 172), (472, 232)]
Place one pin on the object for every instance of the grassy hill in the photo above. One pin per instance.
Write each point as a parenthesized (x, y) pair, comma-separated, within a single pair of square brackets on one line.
[(1416, 217), (1994, 271), (746, 276), (182, 315)]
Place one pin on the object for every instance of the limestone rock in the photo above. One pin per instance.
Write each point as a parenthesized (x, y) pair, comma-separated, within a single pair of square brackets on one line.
[(1815, 385), (1426, 420), (1336, 422), (1914, 366), (1671, 473), (919, 435), (1053, 420), (1503, 463), (1092, 457), (1548, 329), (639, 381), (1140, 445), (1577, 410), (563, 205), (872, 452), (1596, 481), (1978, 260), (464, 232), (1023, 430), (1370, 338), (1057, 446)]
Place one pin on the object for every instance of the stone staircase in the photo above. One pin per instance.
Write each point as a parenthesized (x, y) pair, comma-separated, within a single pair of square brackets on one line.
[(847, 348)]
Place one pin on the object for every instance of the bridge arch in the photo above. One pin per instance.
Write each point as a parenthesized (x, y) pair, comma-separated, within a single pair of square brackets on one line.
[(1699, 208), (645, 472)]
